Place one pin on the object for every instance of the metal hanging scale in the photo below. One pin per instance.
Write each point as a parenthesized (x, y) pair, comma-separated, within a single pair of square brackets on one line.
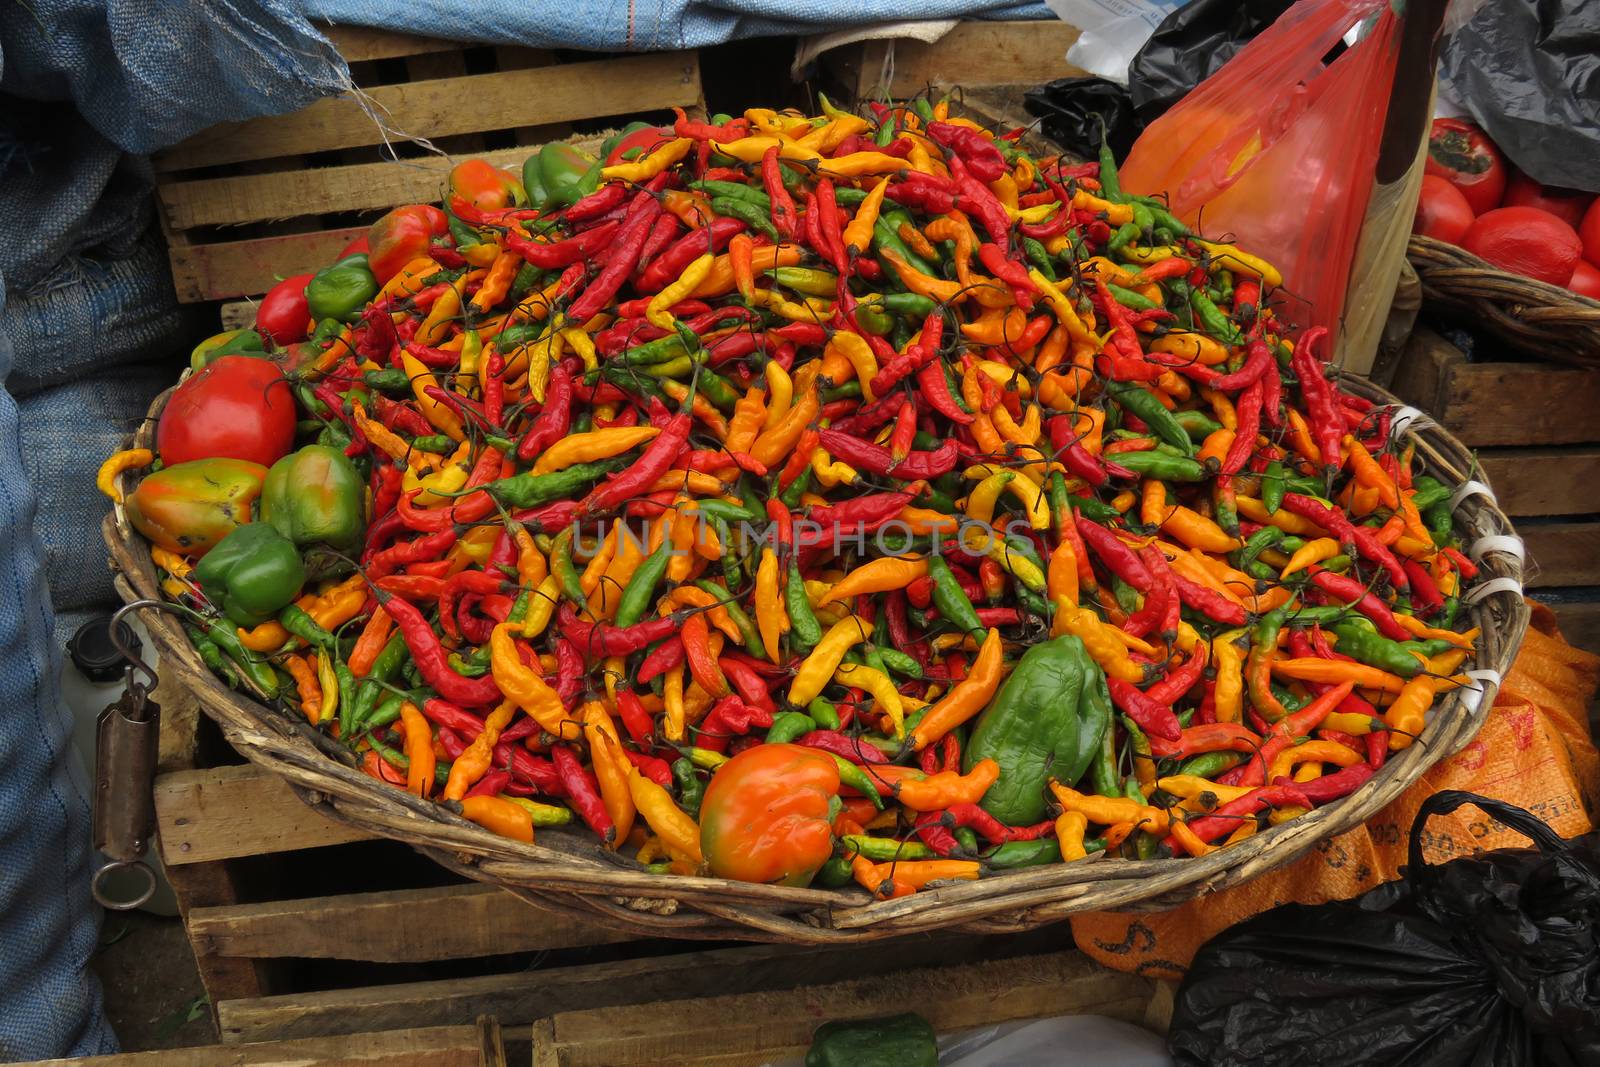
[(127, 736)]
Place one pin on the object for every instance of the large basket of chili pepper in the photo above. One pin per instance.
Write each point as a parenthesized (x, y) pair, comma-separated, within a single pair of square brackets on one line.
[(1550, 321), (815, 529)]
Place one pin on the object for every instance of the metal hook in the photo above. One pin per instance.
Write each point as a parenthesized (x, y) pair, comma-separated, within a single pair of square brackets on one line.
[(129, 654)]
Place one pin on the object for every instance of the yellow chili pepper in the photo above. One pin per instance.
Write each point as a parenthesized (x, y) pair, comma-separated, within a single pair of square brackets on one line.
[(1231, 258), (1026, 490), (385, 439), (985, 496), (1319, 751), (771, 619), (882, 689), (1066, 314), (854, 348), (1314, 551), (818, 667), (688, 281), (580, 342), (676, 722), (780, 393), (527, 687), (858, 234), (945, 292), (1098, 640), (605, 751), (1108, 811), (679, 832), (128, 459), (1070, 827), (591, 446), (438, 415), (644, 169), (1228, 660)]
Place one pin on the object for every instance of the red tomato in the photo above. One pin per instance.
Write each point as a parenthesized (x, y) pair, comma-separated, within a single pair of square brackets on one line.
[(282, 317), (401, 236), (1442, 212), (1565, 204), (1464, 156), (644, 139), (358, 245), (479, 184), (1589, 233), (1585, 280), (237, 406), (1527, 241), (765, 815)]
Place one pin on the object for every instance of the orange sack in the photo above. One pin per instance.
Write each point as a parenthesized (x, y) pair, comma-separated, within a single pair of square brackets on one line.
[(1534, 751)]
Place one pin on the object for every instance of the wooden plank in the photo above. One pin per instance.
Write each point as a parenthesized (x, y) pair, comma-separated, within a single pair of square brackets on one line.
[(751, 1028), (437, 1046), (1499, 403), (444, 106), (237, 314), (522, 997), (397, 926), (974, 53), (1544, 481), (1563, 553), (1579, 621), (244, 268), (491, 1043), (225, 812), (202, 885), (358, 43)]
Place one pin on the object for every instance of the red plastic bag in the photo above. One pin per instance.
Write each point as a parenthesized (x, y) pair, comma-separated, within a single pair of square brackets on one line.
[(1277, 150)]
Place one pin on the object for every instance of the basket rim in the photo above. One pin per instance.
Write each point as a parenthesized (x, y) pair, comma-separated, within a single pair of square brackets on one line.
[(566, 872)]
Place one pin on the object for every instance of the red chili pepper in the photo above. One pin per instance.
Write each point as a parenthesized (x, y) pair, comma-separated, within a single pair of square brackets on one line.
[(583, 793), (1117, 557), (661, 659), (1377, 748), (975, 150), (1337, 523), (1008, 270), (666, 267), (1347, 590), (431, 660), (935, 389), (1330, 787), (851, 748), (621, 260), (931, 831), (658, 771), (492, 784), (737, 129), (1321, 399), (600, 641), (1180, 681), (1156, 720), (411, 586), (932, 197), (977, 199), (653, 462), (635, 719), (830, 228), (1227, 818), (1468, 569), (783, 211), (1249, 427), (600, 202), (453, 717), (479, 582), (751, 687), (577, 249), (418, 549), (661, 234)]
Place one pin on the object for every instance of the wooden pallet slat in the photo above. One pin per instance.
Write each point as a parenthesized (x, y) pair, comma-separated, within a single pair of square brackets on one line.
[(751, 1028), (973, 54), (438, 1046), (395, 926), (239, 268), (1545, 481), (1563, 553), (223, 813), (360, 43), (452, 105)]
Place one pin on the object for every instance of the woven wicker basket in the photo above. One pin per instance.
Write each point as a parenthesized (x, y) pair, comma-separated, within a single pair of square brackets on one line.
[(1543, 320), (569, 872)]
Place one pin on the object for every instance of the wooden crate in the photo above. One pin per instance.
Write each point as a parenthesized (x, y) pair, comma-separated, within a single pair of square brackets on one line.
[(246, 203), (973, 55), (304, 928), (479, 1045), (1537, 433)]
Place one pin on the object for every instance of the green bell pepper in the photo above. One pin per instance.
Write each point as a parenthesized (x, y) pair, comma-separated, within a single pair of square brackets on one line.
[(566, 175), (1036, 729), (252, 573), (896, 1041), (314, 496), (228, 343), (341, 290)]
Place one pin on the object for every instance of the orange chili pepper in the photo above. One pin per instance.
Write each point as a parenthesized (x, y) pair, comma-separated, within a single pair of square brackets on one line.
[(966, 698), (373, 637), (419, 750)]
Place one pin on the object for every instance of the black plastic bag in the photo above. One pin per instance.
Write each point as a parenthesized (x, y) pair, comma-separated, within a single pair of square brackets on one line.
[(1486, 960), (1529, 71), (1190, 45), (1074, 108)]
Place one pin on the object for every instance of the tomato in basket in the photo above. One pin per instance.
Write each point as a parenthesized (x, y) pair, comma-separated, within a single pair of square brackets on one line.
[(402, 235), (1463, 155), (1442, 212), (1568, 205), (282, 316), (236, 407), (1526, 241), (1585, 280), (1589, 233)]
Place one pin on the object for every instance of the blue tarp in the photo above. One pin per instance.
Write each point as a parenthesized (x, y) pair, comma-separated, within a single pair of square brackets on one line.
[(626, 25)]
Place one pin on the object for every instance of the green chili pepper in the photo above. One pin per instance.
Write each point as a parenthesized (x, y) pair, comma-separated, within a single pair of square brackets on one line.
[(854, 777), (797, 488), (527, 490), (1210, 764), (736, 190), (691, 790), (788, 725), (1429, 491), (1213, 320), (1263, 642), (952, 601), (808, 280), (223, 634), (726, 511), (1162, 465), (850, 390), (563, 570), (1166, 220), (1365, 645), (347, 696), (211, 655), (913, 304), (824, 714), (465, 667), (294, 619), (849, 196), (1130, 299), (1014, 854), (885, 234), (747, 211), (1320, 615), (1126, 234), (1273, 486), (886, 849), (392, 381), (900, 663), (835, 873), (874, 319), (1143, 403), (804, 630), (1035, 251)]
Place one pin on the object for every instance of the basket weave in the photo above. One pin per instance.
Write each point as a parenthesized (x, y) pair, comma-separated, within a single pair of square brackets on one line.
[(571, 873), (1543, 320)]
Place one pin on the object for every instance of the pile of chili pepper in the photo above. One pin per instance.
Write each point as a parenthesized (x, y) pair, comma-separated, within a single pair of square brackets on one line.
[(816, 499)]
